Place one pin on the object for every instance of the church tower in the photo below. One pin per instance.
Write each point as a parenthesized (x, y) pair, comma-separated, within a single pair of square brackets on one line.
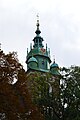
[(38, 58)]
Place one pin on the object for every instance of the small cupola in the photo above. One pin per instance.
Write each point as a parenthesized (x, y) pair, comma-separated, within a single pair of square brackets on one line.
[(32, 63), (54, 68)]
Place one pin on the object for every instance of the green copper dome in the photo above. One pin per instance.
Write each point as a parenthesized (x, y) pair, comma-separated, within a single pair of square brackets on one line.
[(54, 65), (54, 68), (32, 59)]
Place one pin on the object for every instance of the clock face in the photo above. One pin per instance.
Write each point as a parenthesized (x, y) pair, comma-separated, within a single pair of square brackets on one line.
[(43, 50)]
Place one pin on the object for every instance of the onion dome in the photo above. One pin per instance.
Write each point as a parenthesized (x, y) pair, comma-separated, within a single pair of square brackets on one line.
[(32, 59)]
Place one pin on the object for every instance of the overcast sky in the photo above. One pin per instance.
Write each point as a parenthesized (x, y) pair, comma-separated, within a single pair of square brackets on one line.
[(59, 25)]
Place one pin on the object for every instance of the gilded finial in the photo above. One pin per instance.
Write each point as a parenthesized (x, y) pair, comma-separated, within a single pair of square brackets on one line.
[(38, 31), (37, 20), (53, 58)]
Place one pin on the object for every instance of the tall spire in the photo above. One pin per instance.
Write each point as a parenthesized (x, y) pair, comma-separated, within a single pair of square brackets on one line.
[(37, 31)]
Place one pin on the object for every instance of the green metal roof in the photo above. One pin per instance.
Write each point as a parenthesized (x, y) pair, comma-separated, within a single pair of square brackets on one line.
[(40, 52), (32, 59), (54, 65)]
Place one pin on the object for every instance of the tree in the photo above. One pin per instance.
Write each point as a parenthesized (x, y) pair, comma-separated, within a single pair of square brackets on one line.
[(15, 100), (70, 93), (45, 93), (37, 95), (58, 98)]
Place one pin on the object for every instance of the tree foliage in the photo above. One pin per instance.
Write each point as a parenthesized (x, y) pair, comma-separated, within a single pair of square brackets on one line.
[(45, 93), (58, 98), (15, 100), (71, 93), (37, 95)]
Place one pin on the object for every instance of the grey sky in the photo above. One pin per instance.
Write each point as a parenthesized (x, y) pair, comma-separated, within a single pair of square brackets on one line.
[(59, 24)]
